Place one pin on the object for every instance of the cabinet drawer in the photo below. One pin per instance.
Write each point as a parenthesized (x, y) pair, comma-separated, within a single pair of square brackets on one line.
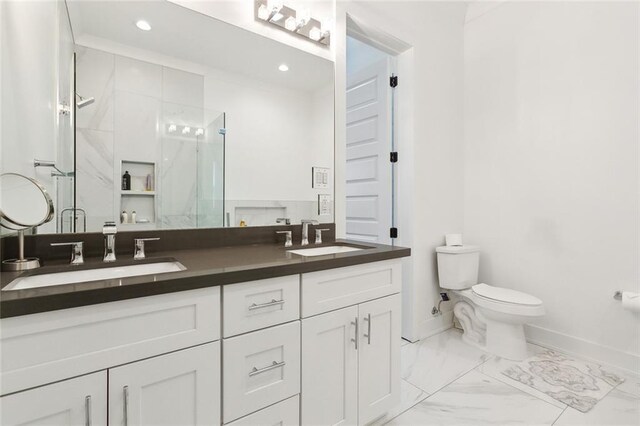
[(260, 369), (47, 347), (332, 289), (259, 304), (285, 413)]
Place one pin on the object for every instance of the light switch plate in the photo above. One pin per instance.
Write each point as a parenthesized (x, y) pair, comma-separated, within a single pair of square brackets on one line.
[(320, 177), (324, 204)]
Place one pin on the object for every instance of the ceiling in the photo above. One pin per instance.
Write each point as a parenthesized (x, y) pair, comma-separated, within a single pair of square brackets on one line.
[(190, 36)]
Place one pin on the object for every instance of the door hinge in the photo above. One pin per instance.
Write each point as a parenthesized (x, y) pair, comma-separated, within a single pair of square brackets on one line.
[(394, 157), (393, 81), (393, 232)]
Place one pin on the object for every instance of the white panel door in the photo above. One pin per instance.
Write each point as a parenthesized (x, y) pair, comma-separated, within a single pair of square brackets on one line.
[(379, 357), (330, 369), (180, 388), (368, 170), (78, 401)]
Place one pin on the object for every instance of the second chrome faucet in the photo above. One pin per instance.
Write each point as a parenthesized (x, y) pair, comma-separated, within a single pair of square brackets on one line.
[(109, 231)]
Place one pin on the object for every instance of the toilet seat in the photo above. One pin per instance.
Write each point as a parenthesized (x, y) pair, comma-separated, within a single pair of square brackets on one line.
[(506, 300)]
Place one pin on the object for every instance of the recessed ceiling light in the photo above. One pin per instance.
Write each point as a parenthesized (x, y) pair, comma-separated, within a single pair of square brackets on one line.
[(143, 25), (283, 67)]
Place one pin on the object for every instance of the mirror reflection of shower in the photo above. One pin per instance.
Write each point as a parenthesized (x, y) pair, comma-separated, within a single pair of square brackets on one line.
[(83, 102)]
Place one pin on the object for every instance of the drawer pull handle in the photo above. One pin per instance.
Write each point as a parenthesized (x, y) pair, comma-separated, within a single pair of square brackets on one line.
[(125, 406), (368, 333), (87, 410), (357, 334), (275, 364), (273, 302)]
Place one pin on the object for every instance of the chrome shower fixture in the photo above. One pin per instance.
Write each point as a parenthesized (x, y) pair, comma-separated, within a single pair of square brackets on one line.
[(83, 102)]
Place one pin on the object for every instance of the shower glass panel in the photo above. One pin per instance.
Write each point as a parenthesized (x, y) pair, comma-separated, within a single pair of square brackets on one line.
[(191, 188), (67, 218), (210, 179)]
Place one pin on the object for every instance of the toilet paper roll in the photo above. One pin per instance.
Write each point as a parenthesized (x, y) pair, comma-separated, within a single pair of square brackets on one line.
[(453, 239), (631, 301)]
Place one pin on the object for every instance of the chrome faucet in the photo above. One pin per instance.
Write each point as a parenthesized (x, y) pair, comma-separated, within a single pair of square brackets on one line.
[(77, 255), (109, 231), (138, 247), (305, 230)]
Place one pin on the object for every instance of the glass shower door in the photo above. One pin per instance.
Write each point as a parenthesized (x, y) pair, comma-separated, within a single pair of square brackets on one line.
[(210, 175)]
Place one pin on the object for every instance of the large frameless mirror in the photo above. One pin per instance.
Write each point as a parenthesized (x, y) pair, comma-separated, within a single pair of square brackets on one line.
[(163, 118)]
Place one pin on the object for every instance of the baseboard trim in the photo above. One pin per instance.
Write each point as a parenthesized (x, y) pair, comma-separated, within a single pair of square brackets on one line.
[(582, 348)]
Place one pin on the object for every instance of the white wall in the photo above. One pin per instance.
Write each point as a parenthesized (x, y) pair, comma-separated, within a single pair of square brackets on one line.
[(551, 165), (272, 140), (429, 139)]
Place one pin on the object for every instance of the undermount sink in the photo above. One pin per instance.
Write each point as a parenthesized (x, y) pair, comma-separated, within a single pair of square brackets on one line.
[(72, 277), (321, 251)]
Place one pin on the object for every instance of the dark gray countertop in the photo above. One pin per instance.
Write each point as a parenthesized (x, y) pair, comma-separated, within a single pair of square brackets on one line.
[(206, 267)]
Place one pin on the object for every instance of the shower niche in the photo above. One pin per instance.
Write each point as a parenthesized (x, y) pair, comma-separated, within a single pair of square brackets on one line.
[(138, 203)]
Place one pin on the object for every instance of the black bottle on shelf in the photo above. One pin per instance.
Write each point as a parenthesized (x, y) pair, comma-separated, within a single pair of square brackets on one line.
[(126, 181)]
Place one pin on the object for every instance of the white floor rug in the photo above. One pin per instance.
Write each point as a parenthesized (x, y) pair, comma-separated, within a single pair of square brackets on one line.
[(578, 384)]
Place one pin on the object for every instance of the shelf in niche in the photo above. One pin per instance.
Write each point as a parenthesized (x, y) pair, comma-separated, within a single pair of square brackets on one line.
[(138, 193)]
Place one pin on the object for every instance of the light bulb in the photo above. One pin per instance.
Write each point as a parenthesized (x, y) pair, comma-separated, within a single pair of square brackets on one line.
[(283, 67), (263, 12), (199, 132), (186, 130), (290, 23), (315, 34), (172, 128), (143, 25)]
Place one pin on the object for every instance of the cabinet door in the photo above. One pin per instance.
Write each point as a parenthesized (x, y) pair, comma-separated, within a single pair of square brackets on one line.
[(330, 369), (379, 357), (180, 388), (79, 401)]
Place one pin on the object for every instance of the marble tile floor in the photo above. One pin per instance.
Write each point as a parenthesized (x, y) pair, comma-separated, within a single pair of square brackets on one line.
[(447, 382)]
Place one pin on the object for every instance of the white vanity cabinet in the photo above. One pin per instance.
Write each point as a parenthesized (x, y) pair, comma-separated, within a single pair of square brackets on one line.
[(78, 401), (320, 348), (351, 356)]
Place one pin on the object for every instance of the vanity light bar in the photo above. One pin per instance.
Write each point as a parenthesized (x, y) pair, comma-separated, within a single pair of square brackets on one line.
[(184, 130), (300, 22)]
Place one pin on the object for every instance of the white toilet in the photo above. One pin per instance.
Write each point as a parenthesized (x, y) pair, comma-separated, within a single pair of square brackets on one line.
[(492, 317)]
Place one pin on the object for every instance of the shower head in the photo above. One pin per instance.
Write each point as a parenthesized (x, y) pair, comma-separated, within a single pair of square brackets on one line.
[(83, 102)]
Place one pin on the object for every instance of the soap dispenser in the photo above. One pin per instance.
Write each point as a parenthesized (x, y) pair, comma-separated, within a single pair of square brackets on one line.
[(126, 181)]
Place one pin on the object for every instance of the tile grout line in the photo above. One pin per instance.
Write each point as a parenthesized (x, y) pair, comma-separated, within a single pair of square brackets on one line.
[(559, 415), (409, 408), (448, 383)]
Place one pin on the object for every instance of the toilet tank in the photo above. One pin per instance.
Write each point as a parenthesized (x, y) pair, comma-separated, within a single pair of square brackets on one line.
[(458, 266)]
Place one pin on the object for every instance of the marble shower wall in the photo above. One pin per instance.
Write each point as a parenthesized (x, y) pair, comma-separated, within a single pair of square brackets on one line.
[(134, 102)]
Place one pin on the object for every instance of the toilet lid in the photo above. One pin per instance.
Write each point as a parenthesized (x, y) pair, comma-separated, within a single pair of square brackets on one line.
[(505, 295)]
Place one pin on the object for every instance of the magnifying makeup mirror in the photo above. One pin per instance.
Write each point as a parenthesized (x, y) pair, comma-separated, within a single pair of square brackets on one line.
[(24, 204)]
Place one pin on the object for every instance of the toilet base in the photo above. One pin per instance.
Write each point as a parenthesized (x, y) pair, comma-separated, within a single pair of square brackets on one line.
[(506, 340), (502, 338)]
